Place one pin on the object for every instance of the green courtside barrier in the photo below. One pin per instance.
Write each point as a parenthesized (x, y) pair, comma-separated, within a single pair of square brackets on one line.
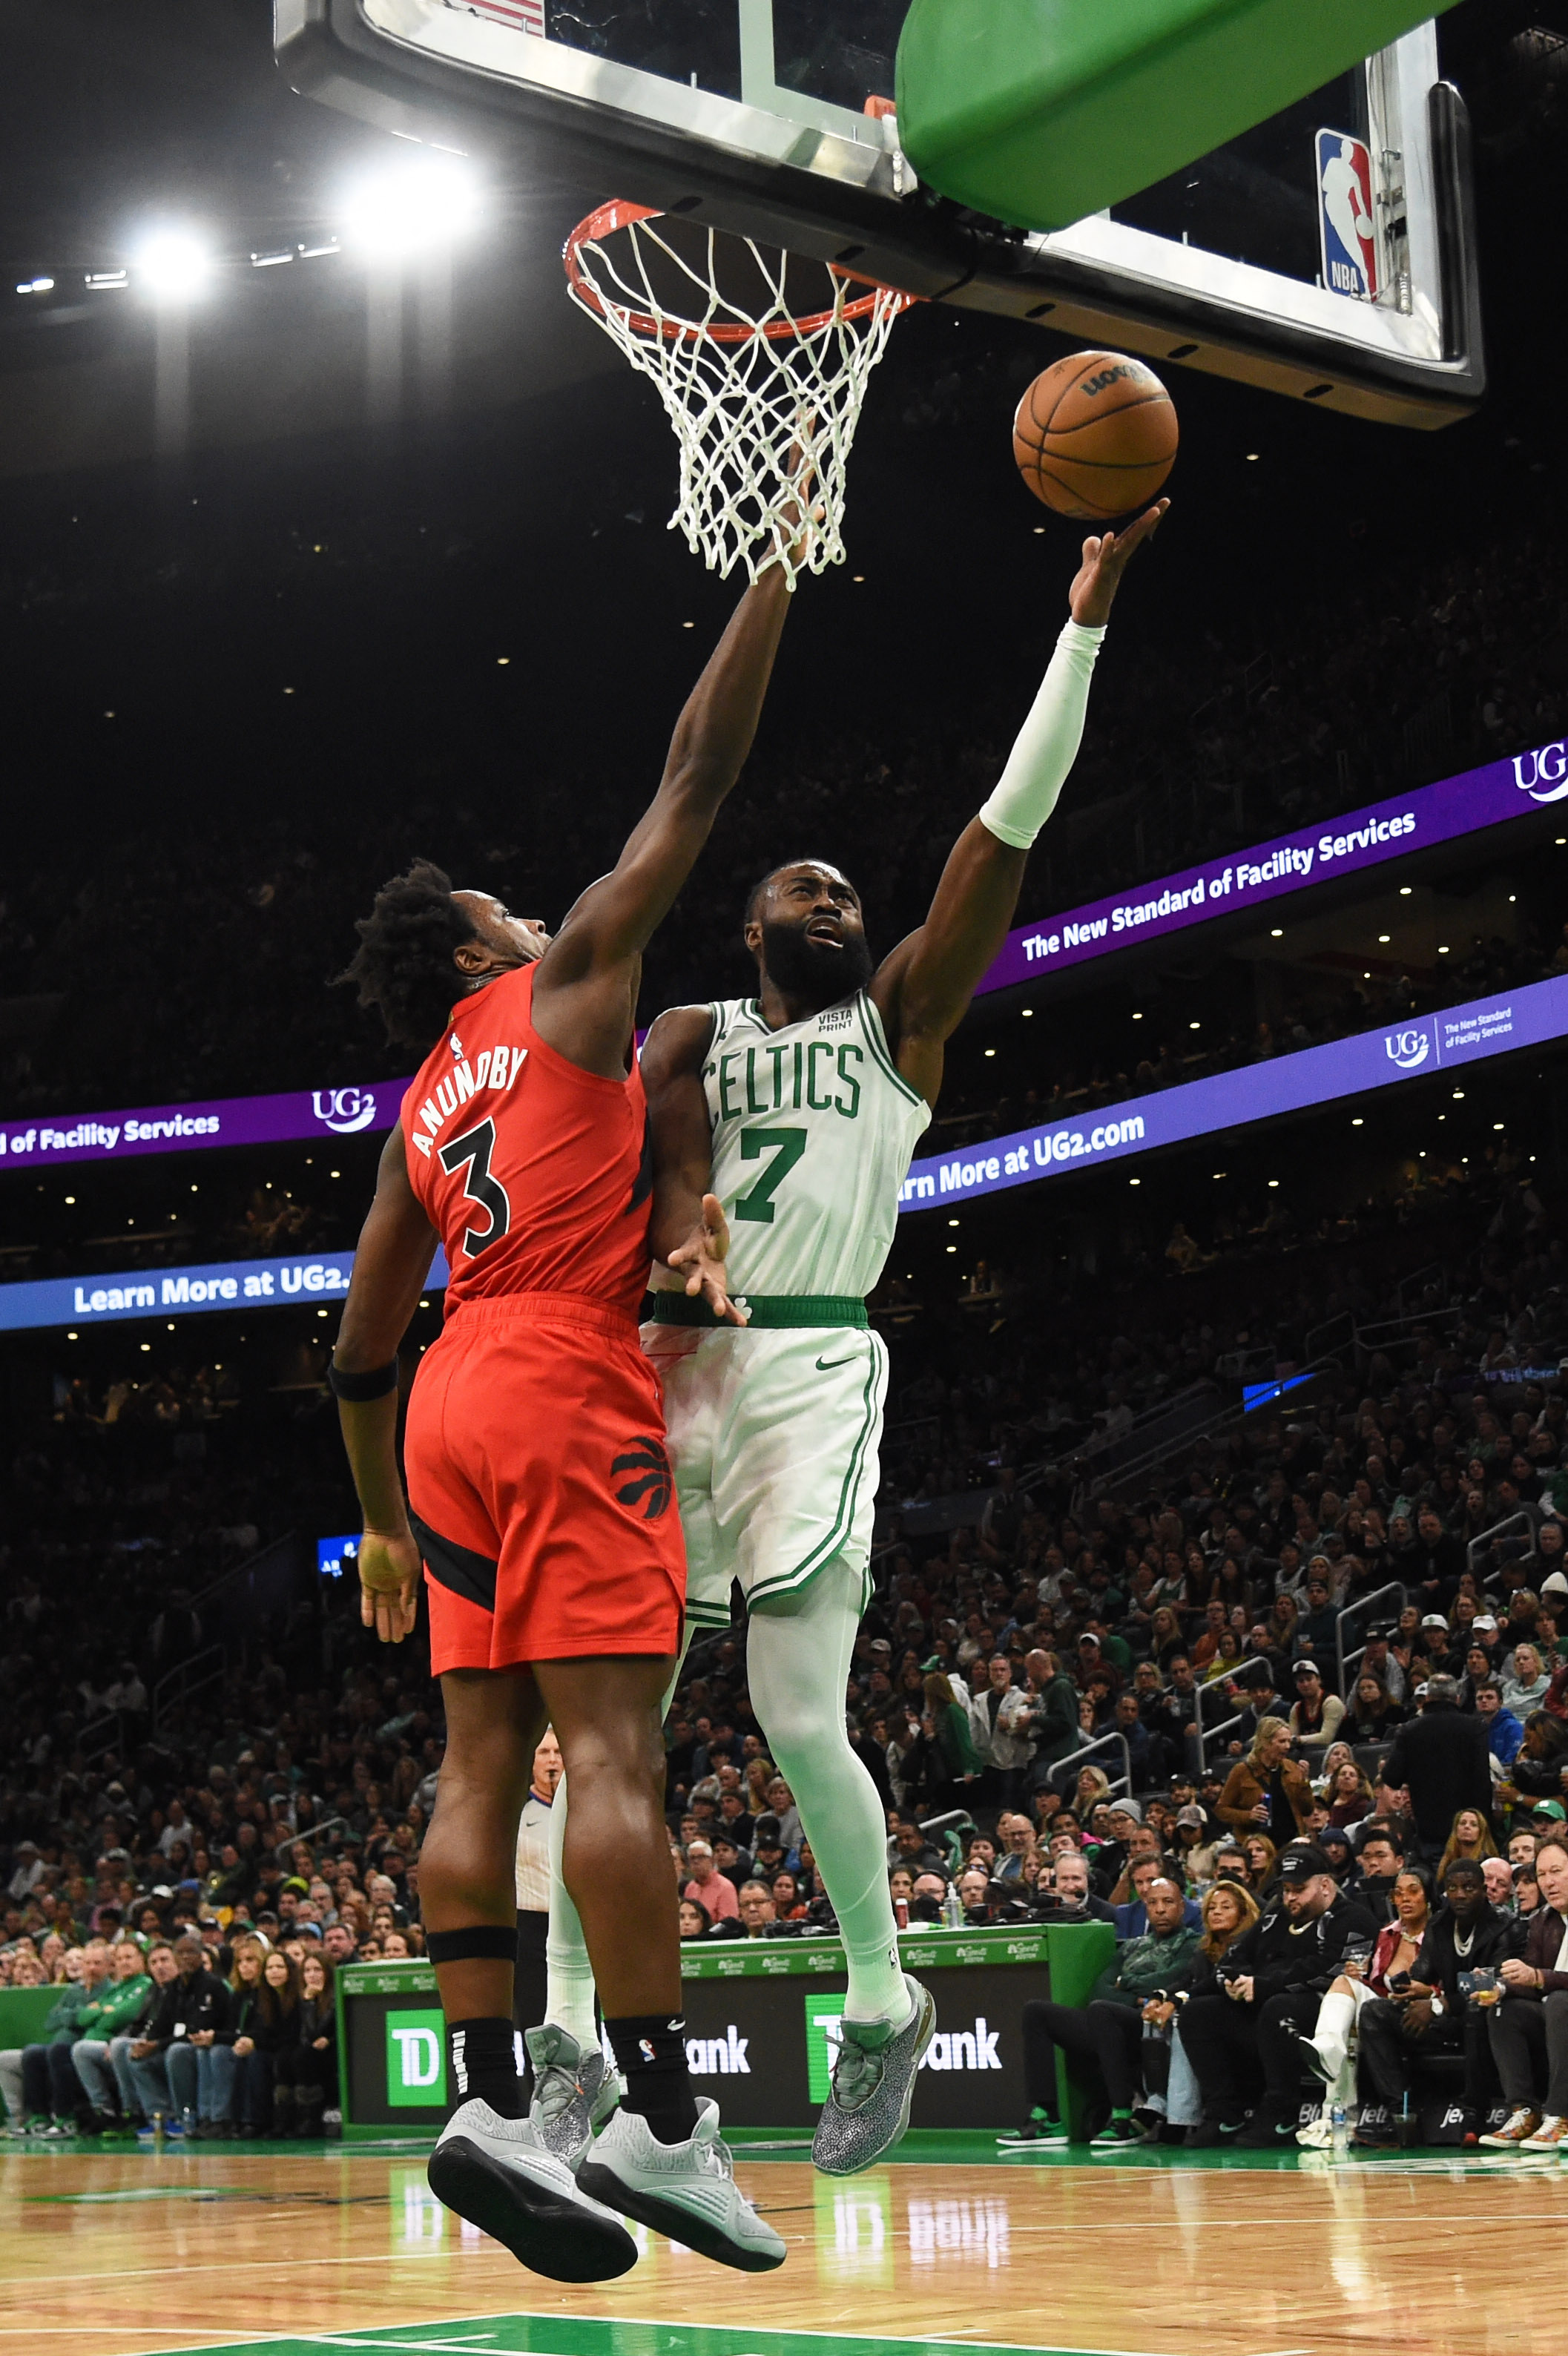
[(22, 2012), (1042, 111), (760, 2023)]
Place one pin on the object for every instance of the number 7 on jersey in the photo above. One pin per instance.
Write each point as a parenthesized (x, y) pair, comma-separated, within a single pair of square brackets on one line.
[(787, 1146)]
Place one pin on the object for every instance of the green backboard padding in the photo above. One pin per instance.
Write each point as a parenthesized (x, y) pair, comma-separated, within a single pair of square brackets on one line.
[(1042, 111)]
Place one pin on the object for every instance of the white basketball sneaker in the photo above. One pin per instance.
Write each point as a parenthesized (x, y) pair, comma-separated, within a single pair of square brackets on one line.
[(497, 2174), (573, 2093), (685, 2189)]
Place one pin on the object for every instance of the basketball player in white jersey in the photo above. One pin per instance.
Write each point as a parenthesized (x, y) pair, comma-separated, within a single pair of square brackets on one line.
[(799, 1109)]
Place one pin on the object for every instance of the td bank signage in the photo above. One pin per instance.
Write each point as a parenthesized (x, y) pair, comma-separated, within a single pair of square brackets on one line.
[(416, 2061), (763, 2024)]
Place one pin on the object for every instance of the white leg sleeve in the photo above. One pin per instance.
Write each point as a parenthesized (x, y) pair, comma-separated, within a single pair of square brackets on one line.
[(1026, 793), (797, 1664), (569, 1975)]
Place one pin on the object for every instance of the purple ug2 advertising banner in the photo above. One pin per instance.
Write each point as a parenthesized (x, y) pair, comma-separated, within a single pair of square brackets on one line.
[(1344, 1068), (302, 1280), (176, 1129), (1317, 854), (1415, 821)]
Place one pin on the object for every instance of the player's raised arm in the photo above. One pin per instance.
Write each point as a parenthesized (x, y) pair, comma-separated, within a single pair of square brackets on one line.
[(579, 990), (924, 988), (391, 1264)]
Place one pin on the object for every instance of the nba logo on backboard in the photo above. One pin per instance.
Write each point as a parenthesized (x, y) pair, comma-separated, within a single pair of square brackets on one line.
[(1345, 218)]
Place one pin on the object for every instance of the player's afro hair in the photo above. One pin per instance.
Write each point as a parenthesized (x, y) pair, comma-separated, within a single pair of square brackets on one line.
[(403, 964)]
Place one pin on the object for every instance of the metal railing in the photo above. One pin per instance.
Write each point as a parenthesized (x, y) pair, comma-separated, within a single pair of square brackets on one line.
[(1417, 1276), (1384, 1334), (1353, 1611), (1214, 1428), (1136, 1435), (1123, 1782), (1400, 1332), (312, 1833), (1318, 1339), (1477, 1545), (1208, 1734), (1194, 1414), (187, 1677), (101, 1734)]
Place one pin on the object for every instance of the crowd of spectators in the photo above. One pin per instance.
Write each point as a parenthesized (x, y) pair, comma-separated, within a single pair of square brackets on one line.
[(204, 1813), (243, 1801), (1129, 1706)]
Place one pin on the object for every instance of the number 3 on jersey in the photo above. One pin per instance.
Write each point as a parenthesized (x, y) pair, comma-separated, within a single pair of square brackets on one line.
[(787, 1146), (473, 1149)]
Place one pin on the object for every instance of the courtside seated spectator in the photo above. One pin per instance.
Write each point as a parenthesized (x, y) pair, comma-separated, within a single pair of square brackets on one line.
[(1110, 2030), (1244, 2041), (1529, 2027), (1435, 2011)]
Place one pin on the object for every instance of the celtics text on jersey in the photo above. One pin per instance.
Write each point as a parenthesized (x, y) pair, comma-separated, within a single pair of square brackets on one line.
[(813, 1130)]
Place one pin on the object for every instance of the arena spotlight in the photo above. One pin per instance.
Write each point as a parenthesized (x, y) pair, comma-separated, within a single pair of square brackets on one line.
[(170, 265), (410, 206)]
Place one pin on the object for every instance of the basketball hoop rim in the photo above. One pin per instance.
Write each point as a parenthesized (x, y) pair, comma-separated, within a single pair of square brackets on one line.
[(618, 214)]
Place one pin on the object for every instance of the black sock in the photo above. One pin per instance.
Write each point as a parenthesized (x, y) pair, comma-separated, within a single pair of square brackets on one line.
[(650, 2053), (483, 2064)]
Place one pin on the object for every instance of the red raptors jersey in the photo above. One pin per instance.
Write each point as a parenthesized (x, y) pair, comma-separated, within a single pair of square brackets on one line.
[(535, 1174)]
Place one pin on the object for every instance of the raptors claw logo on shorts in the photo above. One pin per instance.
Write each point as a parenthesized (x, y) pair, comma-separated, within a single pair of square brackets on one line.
[(647, 1461)]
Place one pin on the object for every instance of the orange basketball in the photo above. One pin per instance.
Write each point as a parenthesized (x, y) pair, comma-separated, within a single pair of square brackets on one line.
[(1095, 435)]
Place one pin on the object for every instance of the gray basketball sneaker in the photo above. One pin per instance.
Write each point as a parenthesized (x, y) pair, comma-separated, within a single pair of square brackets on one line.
[(573, 2093), (685, 2189), (868, 2107), (497, 2174)]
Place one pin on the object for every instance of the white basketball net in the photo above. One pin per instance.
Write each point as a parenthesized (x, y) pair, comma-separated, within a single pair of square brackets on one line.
[(759, 404)]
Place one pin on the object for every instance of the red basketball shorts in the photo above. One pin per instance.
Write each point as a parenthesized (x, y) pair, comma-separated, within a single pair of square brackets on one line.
[(540, 1489)]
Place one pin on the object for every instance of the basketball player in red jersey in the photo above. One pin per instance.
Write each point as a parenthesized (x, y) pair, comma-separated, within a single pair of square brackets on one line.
[(540, 1498)]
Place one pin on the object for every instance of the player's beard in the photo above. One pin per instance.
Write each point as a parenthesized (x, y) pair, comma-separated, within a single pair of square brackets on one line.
[(802, 967)]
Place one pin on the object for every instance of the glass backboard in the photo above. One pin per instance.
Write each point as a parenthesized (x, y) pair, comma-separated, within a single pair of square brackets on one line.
[(1329, 254)]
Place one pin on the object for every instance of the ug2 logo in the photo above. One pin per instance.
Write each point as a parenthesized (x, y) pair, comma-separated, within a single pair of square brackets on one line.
[(345, 1111), (1548, 778), (1408, 1049)]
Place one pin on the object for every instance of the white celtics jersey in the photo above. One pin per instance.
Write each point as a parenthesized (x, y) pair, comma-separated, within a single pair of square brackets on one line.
[(813, 1132)]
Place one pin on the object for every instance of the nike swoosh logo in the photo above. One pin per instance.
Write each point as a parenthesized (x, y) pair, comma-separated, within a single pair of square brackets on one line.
[(825, 1365)]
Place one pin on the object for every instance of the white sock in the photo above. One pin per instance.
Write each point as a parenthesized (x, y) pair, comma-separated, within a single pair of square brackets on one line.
[(797, 1662)]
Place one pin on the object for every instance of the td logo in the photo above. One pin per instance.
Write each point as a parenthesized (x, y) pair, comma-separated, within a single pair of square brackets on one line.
[(974, 2048), (416, 2061), (823, 2015)]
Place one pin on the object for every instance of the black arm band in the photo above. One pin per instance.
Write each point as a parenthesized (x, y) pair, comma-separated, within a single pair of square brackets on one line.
[(481, 1942), (360, 1388)]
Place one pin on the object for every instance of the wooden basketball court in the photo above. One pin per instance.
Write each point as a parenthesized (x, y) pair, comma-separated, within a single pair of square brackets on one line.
[(302, 2252)]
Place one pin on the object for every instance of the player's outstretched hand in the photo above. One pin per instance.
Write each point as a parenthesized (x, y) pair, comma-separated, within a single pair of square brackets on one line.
[(1106, 559), (389, 1583), (701, 1258)]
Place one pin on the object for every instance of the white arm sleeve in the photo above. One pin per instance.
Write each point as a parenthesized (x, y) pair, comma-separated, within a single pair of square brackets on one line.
[(1026, 793)]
